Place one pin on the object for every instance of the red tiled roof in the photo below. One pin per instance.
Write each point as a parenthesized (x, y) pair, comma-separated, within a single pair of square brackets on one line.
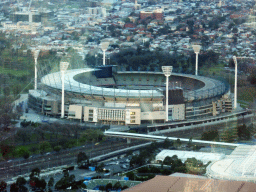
[(185, 184)]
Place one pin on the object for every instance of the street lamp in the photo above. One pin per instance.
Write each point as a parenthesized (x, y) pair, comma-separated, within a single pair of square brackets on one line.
[(63, 68), (35, 54), (196, 50), (167, 70), (104, 47)]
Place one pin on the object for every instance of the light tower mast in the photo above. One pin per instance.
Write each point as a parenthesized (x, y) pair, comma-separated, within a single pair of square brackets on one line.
[(104, 47), (35, 54)]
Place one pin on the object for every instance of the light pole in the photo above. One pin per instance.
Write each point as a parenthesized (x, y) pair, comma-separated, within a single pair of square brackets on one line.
[(63, 68), (167, 70), (196, 50), (104, 47), (235, 88), (96, 59), (35, 54)]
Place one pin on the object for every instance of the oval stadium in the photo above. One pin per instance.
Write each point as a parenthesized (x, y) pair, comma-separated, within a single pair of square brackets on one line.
[(108, 96)]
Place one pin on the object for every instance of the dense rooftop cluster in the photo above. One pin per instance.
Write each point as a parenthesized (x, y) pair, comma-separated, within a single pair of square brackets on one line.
[(226, 28)]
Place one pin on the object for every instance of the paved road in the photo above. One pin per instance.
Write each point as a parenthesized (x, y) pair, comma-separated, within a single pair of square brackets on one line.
[(17, 167)]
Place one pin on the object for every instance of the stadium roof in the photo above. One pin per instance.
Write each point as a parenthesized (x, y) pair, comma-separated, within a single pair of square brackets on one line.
[(211, 87), (54, 80)]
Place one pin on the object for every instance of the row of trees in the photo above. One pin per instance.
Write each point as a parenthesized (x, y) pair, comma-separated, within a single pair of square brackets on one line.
[(50, 132), (116, 187), (15, 66), (169, 165), (143, 59), (147, 154), (241, 132), (175, 164), (35, 183), (7, 113), (69, 182), (42, 138)]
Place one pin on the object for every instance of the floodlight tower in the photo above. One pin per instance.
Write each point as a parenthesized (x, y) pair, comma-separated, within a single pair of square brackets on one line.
[(235, 88), (63, 68), (104, 47), (167, 70), (35, 54), (196, 50)]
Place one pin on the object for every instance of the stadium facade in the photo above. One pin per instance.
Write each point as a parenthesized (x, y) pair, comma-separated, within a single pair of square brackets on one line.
[(105, 95)]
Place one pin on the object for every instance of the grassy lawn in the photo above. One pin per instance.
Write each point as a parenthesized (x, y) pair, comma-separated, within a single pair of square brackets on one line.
[(246, 94), (243, 104), (13, 72), (216, 70)]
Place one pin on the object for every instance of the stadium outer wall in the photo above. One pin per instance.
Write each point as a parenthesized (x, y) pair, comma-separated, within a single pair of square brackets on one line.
[(130, 97)]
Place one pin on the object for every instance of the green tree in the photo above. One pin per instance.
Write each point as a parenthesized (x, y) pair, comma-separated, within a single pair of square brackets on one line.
[(65, 182), (57, 148), (6, 150), (82, 160), (26, 154), (229, 135), (252, 78), (127, 20), (190, 142), (125, 187), (3, 186), (5, 120), (41, 184), (167, 143), (231, 25), (14, 188), (234, 30), (130, 175), (178, 142), (45, 146), (212, 135), (99, 168), (117, 185), (175, 163), (35, 172), (109, 187), (23, 152), (138, 160), (168, 161), (243, 132), (23, 135), (20, 182), (51, 182), (194, 162), (38, 184)]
